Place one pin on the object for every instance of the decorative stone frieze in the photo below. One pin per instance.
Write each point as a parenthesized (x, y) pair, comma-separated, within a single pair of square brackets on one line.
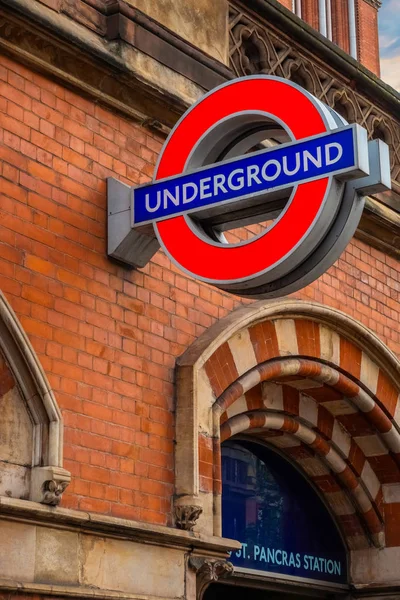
[(186, 516), (257, 47)]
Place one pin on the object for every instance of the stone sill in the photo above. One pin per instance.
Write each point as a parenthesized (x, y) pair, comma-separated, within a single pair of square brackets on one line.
[(372, 591), (97, 524), (70, 591)]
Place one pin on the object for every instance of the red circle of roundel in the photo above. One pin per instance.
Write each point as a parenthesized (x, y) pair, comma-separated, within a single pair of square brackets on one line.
[(220, 263)]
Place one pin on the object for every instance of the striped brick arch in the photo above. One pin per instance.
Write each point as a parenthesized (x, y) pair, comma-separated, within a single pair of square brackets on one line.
[(313, 383)]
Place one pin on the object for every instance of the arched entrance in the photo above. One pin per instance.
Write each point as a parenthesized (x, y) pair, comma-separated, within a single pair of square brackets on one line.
[(319, 387)]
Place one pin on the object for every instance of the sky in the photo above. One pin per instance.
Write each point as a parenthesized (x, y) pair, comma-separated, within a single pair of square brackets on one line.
[(389, 42)]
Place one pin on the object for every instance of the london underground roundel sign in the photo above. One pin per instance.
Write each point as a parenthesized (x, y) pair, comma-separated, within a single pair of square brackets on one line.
[(257, 149)]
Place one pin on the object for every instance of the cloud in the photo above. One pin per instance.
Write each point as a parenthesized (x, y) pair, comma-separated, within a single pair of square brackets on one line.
[(390, 71), (389, 27), (389, 42)]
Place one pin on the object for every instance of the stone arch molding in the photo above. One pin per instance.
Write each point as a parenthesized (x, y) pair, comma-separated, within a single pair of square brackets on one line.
[(307, 379), (47, 478)]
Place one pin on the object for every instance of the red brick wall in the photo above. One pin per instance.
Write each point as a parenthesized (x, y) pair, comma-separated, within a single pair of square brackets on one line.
[(310, 12), (286, 3), (106, 336), (367, 30)]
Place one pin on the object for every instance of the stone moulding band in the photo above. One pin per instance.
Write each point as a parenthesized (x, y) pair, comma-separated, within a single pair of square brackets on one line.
[(70, 591), (85, 522)]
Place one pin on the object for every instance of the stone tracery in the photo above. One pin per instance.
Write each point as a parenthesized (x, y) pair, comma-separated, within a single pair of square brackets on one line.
[(256, 48)]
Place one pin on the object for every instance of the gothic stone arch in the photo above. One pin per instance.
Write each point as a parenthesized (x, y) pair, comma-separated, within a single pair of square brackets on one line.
[(31, 420), (309, 380)]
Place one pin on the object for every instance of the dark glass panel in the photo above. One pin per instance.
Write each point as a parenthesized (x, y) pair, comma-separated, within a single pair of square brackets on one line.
[(277, 515)]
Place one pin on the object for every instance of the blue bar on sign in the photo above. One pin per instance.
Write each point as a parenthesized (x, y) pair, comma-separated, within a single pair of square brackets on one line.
[(263, 171)]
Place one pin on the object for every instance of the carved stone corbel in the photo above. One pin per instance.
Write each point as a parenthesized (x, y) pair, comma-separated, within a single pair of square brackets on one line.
[(208, 570), (186, 516), (48, 484)]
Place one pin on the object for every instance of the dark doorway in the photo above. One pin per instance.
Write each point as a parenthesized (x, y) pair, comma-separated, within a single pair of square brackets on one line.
[(219, 591)]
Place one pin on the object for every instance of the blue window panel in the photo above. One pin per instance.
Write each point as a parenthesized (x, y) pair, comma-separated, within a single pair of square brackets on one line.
[(282, 523)]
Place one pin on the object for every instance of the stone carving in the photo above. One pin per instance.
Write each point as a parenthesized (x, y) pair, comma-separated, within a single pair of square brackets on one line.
[(48, 484), (258, 48), (186, 516), (52, 491), (208, 570), (375, 3)]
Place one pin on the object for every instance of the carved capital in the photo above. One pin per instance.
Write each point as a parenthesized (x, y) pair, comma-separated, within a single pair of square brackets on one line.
[(208, 570), (48, 484), (52, 491), (186, 516)]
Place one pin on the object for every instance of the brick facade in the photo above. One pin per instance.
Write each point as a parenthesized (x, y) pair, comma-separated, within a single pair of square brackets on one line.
[(287, 4), (108, 337), (340, 24), (368, 42), (309, 12)]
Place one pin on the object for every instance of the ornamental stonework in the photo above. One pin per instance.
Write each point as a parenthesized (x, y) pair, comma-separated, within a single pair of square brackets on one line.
[(255, 47), (209, 570), (186, 516)]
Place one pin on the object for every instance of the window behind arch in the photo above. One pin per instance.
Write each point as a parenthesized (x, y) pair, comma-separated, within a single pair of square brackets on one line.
[(279, 518)]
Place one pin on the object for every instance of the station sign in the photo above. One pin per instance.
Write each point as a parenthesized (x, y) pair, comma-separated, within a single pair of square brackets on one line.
[(284, 527), (255, 150)]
